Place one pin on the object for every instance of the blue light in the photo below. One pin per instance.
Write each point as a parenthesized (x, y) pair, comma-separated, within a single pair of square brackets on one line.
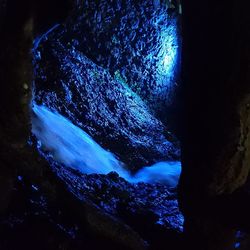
[(167, 54), (163, 63), (167, 57), (20, 178), (237, 245), (167, 61)]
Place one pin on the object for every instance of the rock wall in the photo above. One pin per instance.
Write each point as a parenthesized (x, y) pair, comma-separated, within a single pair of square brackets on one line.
[(103, 106), (215, 115), (137, 41)]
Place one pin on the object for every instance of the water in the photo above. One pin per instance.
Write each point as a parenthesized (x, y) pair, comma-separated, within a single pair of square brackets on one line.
[(74, 148), (162, 172)]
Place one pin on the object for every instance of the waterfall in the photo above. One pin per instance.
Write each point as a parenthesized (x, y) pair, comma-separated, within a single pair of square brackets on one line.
[(74, 148)]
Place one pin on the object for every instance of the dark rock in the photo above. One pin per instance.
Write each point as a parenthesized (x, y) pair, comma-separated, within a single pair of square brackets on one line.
[(216, 122), (144, 207), (35, 219)]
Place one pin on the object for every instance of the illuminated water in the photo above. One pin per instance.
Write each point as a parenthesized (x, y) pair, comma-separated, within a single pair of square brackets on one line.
[(74, 148)]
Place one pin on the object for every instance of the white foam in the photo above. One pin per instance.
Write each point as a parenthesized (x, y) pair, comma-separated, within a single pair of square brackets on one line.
[(74, 148)]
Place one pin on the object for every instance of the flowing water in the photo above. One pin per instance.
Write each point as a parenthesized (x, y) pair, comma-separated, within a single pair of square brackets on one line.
[(74, 148)]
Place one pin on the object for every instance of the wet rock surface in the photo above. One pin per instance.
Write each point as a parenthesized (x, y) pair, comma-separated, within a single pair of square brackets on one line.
[(138, 215), (129, 202), (86, 74), (106, 108), (137, 41)]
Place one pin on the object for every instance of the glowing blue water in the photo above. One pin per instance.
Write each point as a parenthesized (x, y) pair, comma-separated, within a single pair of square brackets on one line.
[(74, 148), (162, 172)]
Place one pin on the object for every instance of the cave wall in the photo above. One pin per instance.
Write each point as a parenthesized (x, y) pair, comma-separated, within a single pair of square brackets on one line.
[(216, 93), (137, 41), (215, 118), (20, 21)]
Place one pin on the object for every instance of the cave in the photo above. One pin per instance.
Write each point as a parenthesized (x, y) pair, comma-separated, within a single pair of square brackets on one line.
[(124, 125)]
